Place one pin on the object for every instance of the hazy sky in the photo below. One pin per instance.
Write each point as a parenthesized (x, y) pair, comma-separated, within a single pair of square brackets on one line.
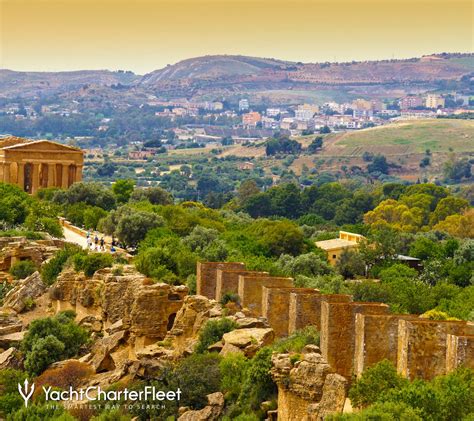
[(143, 35)]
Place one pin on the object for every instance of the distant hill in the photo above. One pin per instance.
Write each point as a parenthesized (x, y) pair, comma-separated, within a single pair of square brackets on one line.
[(227, 76), (241, 69), (27, 84), (215, 67)]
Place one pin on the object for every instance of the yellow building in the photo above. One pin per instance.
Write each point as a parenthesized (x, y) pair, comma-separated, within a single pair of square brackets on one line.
[(335, 247), (434, 101)]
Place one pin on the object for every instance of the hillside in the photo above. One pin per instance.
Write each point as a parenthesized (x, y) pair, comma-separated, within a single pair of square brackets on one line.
[(405, 137), (26, 84), (231, 76), (212, 67), (404, 143), (256, 71)]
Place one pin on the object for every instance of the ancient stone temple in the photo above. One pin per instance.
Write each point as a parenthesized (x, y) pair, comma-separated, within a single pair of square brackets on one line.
[(37, 164)]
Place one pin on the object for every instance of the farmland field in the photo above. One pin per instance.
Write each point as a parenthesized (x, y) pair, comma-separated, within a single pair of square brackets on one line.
[(405, 137)]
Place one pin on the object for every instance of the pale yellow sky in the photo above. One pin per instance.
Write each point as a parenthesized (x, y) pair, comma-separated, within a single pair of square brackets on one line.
[(143, 35)]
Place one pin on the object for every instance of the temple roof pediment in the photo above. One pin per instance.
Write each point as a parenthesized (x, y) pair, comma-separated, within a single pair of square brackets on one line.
[(43, 145)]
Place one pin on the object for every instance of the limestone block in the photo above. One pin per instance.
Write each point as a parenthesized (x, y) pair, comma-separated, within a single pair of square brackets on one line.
[(460, 352), (422, 346), (276, 306), (338, 332), (305, 309), (227, 281), (376, 339), (250, 290), (206, 276)]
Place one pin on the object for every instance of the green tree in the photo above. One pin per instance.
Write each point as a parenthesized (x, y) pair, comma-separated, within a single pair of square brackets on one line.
[(315, 145), (378, 164), (10, 399), (92, 262), (52, 339), (123, 190), (247, 189), (155, 195), (374, 382), (14, 204), (93, 194), (351, 264)]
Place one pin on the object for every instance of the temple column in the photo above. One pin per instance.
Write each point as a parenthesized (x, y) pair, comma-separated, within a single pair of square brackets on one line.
[(51, 174), (79, 173), (6, 172), (35, 179), (21, 176), (65, 176)]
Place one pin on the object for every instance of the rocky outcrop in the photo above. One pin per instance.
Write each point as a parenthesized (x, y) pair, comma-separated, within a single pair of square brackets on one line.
[(10, 359), (246, 341), (143, 308), (308, 389), (192, 316), (211, 412), (10, 329), (21, 297), (9, 322), (109, 353)]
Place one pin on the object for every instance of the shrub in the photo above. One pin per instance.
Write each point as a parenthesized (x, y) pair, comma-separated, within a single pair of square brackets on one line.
[(230, 297), (22, 269), (71, 374), (197, 376), (118, 270), (191, 283), (53, 267), (258, 385), (233, 369), (212, 332), (350, 264), (52, 339), (375, 381), (90, 263), (297, 340), (41, 412), (10, 400), (4, 288), (44, 352), (309, 264), (385, 411)]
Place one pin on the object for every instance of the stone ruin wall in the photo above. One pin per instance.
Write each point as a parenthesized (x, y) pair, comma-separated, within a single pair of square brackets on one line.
[(354, 335)]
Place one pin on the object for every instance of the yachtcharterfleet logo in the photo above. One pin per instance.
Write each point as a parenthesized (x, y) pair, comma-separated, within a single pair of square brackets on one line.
[(95, 393), (26, 392)]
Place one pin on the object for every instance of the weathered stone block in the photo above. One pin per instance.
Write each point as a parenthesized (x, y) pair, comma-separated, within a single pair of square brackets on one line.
[(227, 281), (459, 352), (422, 346), (376, 339), (276, 306), (206, 276), (305, 309), (250, 290), (338, 332)]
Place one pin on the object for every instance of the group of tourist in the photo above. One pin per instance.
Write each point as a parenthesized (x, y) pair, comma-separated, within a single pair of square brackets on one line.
[(98, 244)]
